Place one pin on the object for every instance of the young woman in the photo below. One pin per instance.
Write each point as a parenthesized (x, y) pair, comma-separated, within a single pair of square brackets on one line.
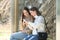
[(26, 16), (23, 33), (38, 26)]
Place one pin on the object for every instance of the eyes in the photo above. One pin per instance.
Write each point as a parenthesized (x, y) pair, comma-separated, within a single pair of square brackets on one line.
[(25, 12)]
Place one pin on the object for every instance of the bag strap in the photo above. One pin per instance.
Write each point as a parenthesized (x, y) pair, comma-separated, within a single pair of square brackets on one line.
[(46, 28)]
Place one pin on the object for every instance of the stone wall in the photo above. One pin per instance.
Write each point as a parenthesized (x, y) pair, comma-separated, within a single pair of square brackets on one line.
[(49, 12)]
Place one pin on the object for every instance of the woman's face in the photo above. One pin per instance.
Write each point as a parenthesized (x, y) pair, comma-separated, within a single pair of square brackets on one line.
[(33, 13), (25, 13)]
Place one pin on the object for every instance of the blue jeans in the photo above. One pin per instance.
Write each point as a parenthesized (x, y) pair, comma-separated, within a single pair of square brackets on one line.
[(31, 37), (18, 36)]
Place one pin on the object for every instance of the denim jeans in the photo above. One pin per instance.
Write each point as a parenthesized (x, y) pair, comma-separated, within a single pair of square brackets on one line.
[(18, 36), (31, 37)]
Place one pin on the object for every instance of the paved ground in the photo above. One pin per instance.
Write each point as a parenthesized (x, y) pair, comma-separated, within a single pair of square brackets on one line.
[(4, 37), (5, 31)]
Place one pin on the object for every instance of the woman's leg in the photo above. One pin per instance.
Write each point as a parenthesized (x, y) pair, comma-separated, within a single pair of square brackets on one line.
[(31, 37), (26, 38), (18, 36), (34, 37)]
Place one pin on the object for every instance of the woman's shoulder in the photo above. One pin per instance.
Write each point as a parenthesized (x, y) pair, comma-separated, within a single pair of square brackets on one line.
[(41, 16)]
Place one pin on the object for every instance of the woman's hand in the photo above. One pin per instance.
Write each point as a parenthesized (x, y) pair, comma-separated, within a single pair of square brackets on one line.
[(24, 23)]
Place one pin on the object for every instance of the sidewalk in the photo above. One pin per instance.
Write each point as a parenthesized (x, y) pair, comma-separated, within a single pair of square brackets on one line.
[(5, 31)]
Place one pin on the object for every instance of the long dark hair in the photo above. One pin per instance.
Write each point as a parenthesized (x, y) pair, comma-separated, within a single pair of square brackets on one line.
[(36, 9), (25, 8)]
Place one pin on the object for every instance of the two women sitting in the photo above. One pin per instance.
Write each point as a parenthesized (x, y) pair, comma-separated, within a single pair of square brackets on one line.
[(33, 23)]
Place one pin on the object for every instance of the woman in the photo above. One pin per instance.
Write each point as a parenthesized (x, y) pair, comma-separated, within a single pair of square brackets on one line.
[(23, 33), (38, 26), (26, 16)]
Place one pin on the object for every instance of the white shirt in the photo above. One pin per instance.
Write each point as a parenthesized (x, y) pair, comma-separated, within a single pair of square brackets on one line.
[(38, 25)]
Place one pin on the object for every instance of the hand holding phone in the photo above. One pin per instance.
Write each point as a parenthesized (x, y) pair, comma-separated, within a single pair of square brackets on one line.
[(25, 21)]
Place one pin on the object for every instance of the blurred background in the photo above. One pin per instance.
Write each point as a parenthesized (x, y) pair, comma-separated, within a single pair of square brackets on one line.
[(10, 16), (57, 19)]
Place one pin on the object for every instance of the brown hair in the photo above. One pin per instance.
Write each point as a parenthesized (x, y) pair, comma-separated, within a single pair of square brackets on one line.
[(25, 8), (36, 9)]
